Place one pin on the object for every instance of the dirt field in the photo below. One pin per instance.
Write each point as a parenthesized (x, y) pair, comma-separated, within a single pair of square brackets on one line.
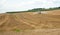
[(30, 21), (33, 32)]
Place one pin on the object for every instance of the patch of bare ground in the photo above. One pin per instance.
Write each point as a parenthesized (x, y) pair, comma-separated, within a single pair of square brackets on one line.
[(29, 21), (33, 32)]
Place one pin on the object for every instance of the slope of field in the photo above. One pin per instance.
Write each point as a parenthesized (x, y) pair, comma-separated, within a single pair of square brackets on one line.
[(54, 12), (29, 21)]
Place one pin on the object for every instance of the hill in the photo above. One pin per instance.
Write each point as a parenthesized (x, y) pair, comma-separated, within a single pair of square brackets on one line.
[(30, 21)]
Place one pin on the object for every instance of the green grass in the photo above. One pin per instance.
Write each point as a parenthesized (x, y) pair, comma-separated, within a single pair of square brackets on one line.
[(17, 30)]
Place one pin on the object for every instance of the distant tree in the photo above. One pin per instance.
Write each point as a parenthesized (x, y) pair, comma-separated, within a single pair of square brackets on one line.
[(37, 9), (58, 7)]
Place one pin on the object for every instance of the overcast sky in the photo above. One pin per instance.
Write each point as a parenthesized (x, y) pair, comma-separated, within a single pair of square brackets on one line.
[(19, 5)]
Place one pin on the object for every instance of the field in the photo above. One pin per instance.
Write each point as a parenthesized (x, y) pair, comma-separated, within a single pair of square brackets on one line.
[(30, 21)]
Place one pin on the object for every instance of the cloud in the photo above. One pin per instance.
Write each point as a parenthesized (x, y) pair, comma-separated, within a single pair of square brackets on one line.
[(11, 6), (18, 5), (2, 1)]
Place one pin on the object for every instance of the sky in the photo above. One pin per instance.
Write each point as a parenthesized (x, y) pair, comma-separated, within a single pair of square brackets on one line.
[(21, 5)]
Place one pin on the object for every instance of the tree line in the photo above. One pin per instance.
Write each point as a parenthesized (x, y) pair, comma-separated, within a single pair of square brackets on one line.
[(37, 9)]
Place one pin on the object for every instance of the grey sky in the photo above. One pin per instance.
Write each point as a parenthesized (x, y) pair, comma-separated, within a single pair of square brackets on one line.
[(19, 5)]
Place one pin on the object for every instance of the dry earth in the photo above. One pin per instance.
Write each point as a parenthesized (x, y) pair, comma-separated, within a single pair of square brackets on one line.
[(30, 21)]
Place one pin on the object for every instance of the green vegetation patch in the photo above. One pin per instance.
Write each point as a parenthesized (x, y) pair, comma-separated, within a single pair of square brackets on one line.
[(17, 30)]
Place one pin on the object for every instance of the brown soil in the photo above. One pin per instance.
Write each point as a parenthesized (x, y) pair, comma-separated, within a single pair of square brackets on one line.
[(28, 21)]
